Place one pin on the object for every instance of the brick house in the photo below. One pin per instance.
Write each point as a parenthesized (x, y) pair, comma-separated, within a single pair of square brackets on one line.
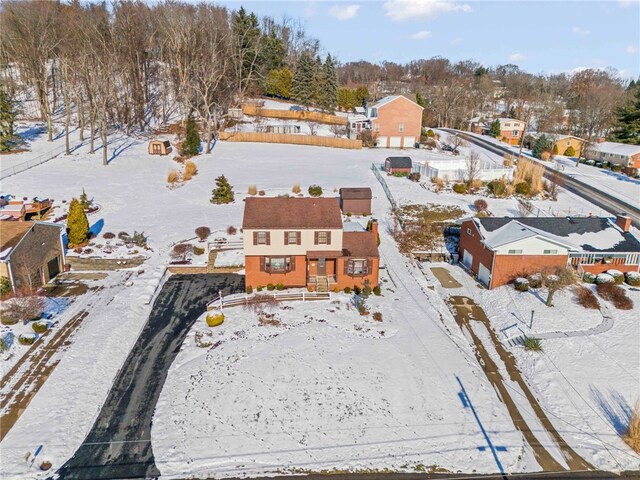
[(31, 253), (499, 249), (511, 130), (398, 165), (301, 242), (617, 153), (356, 201), (397, 121)]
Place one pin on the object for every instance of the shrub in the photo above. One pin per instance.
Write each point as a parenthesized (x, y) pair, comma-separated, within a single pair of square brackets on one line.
[(616, 167), (39, 327), (213, 320), (460, 188), (480, 205), (124, 236), (279, 286), (632, 435), (569, 152), (296, 188), (532, 344), (139, 239), (523, 188), (336, 290), (521, 284), (632, 278), (497, 187), (555, 149), (5, 285), (77, 224), (589, 277), (249, 290), (586, 298), (198, 250), (315, 190), (172, 176), (259, 288), (400, 174), (190, 170), (252, 190), (602, 278), (347, 290), (414, 176), (377, 316), (482, 214), (262, 193), (22, 307), (430, 133), (223, 193), (357, 290), (231, 230), (618, 276), (191, 144), (271, 287), (615, 294), (546, 156), (108, 235), (26, 339), (203, 233), (376, 291)]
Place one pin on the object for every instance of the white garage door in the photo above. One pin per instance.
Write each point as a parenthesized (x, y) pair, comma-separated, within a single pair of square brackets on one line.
[(382, 142), (395, 142), (484, 276), (409, 142), (467, 258)]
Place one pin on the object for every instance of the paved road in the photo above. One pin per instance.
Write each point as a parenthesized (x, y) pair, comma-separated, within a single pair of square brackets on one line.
[(125, 418), (601, 199)]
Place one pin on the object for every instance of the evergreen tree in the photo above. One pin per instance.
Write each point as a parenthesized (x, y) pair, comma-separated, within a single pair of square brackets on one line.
[(8, 113), (84, 200), (191, 144), (278, 83), (223, 193), (303, 85), (247, 37), (542, 144), (627, 128), (77, 224), (328, 91), (346, 98), (361, 95), (494, 129), (272, 53)]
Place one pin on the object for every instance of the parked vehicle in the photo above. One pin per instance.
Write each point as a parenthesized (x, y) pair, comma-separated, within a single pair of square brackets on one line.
[(296, 108), (446, 148)]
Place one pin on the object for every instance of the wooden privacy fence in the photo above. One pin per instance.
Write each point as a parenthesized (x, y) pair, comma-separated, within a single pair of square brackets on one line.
[(257, 111), (291, 138), (244, 299)]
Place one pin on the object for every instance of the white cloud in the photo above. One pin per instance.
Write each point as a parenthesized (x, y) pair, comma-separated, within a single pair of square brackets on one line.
[(632, 49), (514, 57), (627, 3), (580, 31), (344, 12), (399, 10), (457, 40), (422, 35)]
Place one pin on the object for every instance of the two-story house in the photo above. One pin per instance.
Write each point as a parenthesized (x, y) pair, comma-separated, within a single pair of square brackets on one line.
[(301, 242), (511, 130), (397, 121)]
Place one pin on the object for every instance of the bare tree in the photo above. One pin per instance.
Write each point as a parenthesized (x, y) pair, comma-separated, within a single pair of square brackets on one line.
[(456, 142), (473, 167), (313, 128), (338, 130), (556, 280), (23, 306)]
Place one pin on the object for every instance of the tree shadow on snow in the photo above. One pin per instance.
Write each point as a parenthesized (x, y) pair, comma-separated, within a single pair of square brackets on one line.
[(33, 132), (615, 408), (96, 228)]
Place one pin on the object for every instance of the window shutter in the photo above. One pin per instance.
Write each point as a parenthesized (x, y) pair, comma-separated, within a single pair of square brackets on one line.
[(286, 238), (255, 238), (293, 263), (328, 238), (369, 266), (299, 238), (262, 266), (315, 238), (268, 235), (346, 267)]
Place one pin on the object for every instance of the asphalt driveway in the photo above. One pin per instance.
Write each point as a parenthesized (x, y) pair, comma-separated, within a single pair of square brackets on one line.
[(119, 443)]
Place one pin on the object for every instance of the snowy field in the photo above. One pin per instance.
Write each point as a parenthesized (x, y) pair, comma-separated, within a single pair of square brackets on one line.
[(305, 394)]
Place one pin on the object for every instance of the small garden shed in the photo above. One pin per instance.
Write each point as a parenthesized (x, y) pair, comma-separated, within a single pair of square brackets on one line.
[(356, 201), (160, 147), (397, 165)]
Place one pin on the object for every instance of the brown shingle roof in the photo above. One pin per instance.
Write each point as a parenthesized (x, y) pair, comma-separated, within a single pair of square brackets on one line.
[(355, 193), (12, 232), (282, 212), (359, 244)]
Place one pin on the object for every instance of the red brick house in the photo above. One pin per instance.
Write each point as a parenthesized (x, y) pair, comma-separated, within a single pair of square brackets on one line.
[(397, 121), (511, 130), (499, 249), (356, 201), (301, 242)]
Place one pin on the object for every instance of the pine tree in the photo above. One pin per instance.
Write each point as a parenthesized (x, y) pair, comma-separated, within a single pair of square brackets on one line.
[(627, 128), (272, 53), (77, 224), (346, 98), (494, 129), (247, 36), (8, 113), (223, 193), (278, 83), (191, 144), (328, 93), (542, 144), (84, 200), (361, 95), (303, 85)]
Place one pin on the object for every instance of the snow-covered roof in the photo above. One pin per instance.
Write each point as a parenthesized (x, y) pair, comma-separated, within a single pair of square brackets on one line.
[(360, 110), (353, 227), (357, 117), (505, 120), (617, 148), (557, 136)]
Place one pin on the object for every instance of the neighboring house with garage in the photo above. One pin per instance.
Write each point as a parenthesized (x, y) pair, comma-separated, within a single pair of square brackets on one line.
[(561, 143), (511, 130), (617, 153), (499, 249), (355, 201), (398, 165), (396, 121), (31, 253), (301, 242)]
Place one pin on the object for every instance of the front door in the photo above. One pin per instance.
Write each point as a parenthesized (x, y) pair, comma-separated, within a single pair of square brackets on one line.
[(54, 267), (322, 267), (156, 148)]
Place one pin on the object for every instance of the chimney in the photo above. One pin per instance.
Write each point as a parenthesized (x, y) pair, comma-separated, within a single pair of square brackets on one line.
[(374, 227), (623, 221)]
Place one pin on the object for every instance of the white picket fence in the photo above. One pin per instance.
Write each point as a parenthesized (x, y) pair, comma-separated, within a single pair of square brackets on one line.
[(238, 299)]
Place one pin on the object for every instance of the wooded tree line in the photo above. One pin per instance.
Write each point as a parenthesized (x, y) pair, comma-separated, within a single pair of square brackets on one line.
[(132, 64)]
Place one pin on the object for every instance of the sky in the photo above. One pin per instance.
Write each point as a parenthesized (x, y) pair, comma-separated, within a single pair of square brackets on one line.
[(538, 36)]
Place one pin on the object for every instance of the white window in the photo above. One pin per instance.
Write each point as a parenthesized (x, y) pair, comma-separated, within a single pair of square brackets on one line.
[(292, 238), (469, 231), (515, 133), (515, 252), (262, 238), (322, 238), (357, 267), (401, 127), (277, 263), (550, 252)]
